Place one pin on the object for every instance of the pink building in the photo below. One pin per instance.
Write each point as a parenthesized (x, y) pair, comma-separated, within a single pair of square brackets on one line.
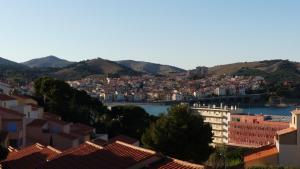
[(253, 130)]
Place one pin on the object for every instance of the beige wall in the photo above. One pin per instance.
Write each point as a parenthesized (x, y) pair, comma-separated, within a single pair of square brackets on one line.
[(289, 155)]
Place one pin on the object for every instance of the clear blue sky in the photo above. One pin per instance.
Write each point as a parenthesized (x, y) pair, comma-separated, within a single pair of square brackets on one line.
[(184, 33)]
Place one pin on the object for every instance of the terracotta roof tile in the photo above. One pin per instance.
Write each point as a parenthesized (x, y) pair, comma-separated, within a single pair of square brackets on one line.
[(266, 152), (117, 155), (29, 157), (124, 139), (170, 163), (287, 130)]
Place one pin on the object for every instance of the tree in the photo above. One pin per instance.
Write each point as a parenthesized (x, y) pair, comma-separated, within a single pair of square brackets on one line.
[(129, 120), (73, 105), (180, 134), (3, 153)]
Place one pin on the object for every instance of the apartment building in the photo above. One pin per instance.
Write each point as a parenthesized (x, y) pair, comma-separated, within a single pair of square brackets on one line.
[(218, 118), (285, 151), (254, 130)]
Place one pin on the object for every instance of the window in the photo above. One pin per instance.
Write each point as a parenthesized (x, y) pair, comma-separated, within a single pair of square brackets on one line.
[(11, 127)]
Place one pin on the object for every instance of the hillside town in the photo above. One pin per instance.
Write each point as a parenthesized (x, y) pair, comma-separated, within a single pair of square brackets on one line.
[(31, 133), (176, 88)]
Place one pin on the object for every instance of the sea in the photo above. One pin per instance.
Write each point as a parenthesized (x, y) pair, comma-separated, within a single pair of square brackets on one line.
[(157, 109)]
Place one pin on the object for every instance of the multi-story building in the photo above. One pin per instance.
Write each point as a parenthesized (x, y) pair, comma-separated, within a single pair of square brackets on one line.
[(219, 118), (254, 130), (285, 151)]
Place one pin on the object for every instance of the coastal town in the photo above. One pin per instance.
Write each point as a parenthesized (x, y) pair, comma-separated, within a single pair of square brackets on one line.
[(149, 84), (28, 131), (176, 88)]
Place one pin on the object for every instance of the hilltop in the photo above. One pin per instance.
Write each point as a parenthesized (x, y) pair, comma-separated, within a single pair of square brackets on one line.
[(150, 68), (275, 71), (93, 67), (48, 61)]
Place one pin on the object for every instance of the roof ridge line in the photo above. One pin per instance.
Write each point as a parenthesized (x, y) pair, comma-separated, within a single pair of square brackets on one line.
[(136, 147), (186, 163), (40, 146), (54, 149), (93, 144)]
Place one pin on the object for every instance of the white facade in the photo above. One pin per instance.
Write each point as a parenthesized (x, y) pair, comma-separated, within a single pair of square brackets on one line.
[(177, 96), (218, 118), (220, 91)]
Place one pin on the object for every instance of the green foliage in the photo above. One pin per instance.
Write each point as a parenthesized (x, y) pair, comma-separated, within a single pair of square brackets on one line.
[(128, 120), (3, 153), (72, 105), (232, 157), (180, 134), (250, 72)]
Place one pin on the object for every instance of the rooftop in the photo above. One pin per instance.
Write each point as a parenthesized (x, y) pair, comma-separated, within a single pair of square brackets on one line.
[(4, 97), (287, 130), (170, 163), (30, 156), (116, 155), (263, 153)]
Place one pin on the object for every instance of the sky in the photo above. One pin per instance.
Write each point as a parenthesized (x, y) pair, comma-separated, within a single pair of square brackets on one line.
[(183, 33)]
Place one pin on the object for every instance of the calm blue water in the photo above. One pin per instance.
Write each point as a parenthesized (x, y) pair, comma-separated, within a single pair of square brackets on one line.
[(156, 109), (283, 111)]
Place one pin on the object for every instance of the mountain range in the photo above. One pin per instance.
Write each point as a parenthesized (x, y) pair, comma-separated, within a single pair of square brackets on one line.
[(63, 69)]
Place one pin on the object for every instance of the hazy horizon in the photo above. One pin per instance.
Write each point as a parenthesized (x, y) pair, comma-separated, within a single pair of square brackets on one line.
[(185, 34)]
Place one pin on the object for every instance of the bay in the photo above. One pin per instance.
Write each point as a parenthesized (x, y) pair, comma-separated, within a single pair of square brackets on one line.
[(156, 109)]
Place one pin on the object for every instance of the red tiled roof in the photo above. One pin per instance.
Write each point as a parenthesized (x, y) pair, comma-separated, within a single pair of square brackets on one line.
[(5, 97), (29, 157), (287, 130), (265, 152), (124, 139), (116, 155), (9, 111), (176, 164)]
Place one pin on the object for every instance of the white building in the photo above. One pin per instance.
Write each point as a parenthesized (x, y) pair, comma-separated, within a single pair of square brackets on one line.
[(220, 91), (5, 88), (218, 117), (177, 96)]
